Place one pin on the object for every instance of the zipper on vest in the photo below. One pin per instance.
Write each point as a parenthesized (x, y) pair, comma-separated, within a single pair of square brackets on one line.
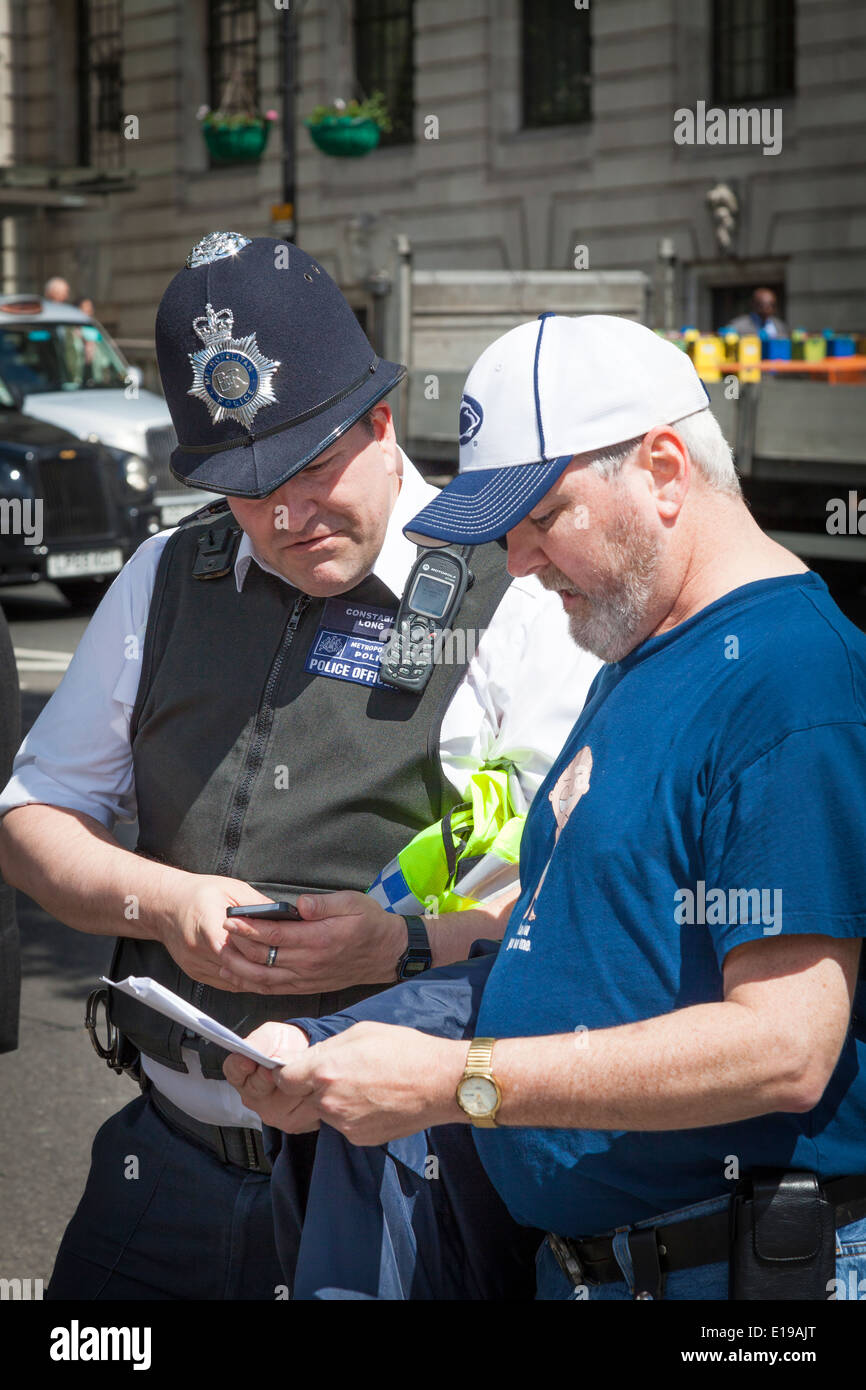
[(256, 753)]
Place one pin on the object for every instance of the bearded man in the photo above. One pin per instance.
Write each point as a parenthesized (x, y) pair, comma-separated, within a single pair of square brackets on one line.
[(675, 1097)]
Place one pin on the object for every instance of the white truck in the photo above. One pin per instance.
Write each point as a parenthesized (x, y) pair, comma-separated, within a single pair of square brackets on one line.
[(440, 321), (798, 443)]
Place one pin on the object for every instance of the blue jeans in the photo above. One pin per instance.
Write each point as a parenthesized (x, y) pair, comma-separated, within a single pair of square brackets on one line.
[(708, 1281), (174, 1224)]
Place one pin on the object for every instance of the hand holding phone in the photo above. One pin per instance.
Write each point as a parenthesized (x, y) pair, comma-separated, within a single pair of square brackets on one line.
[(285, 910)]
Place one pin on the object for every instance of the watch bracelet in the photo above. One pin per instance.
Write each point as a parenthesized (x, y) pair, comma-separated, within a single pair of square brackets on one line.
[(415, 928), (480, 1056)]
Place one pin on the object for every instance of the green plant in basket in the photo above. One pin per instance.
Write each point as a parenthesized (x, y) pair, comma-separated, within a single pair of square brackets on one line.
[(372, 108), (348, 129)]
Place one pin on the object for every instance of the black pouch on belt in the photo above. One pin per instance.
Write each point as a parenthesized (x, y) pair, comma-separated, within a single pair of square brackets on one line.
[(783, 1238)]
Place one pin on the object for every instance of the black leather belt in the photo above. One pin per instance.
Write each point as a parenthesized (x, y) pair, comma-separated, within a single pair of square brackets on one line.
[(685, 1244), (230, 1143)]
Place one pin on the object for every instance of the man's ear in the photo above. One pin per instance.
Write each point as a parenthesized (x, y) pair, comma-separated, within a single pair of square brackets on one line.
[(383, 430), (382, 419), (669, 469)]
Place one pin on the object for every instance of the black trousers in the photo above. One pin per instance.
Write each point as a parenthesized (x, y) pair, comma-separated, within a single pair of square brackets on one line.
[(162, 1218)]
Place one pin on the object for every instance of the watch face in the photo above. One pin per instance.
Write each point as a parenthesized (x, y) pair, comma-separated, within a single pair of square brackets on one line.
[(478, 1095)]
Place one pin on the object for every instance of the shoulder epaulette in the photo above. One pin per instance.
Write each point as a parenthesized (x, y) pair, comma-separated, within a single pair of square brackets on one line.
[(217, 543)]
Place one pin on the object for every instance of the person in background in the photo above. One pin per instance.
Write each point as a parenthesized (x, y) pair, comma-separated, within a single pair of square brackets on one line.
[(762, 317), (82, 336), (57, 290)]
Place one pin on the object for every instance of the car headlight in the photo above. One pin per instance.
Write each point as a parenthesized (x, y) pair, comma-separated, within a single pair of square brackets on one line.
[(136, 470)]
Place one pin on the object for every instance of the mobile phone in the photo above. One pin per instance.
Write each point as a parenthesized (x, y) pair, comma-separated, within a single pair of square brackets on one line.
[(273, 910)]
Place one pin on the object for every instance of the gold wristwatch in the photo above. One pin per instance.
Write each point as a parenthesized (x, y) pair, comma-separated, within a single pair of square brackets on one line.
[(478, 1093)]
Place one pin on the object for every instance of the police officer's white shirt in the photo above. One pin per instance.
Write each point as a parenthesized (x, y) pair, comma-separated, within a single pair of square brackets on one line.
[(518, 700)]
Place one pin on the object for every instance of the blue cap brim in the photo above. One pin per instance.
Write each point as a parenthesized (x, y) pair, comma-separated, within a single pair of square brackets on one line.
[(483, 505)]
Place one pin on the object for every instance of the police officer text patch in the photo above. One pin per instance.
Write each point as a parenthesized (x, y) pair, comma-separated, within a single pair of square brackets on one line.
[(348, 645)]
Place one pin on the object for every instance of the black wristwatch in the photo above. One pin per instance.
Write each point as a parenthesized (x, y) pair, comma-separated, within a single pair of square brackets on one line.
[(417, 957)]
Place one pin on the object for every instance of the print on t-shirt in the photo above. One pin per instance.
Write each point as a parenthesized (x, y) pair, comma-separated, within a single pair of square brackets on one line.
[(570, 786)]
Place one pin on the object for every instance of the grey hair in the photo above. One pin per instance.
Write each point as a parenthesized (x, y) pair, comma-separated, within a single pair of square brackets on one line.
[(708, 449), (54, 282)]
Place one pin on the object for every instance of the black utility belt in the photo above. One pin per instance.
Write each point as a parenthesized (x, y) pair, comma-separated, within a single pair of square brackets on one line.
[(778, 1236), (243, 1148)]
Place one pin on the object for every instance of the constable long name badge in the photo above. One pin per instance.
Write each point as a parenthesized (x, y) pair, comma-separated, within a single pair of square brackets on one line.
[(348, 645)]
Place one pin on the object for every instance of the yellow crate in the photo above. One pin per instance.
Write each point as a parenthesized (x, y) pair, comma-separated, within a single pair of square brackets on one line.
[(707, 357), (750, 357), (812, 348)]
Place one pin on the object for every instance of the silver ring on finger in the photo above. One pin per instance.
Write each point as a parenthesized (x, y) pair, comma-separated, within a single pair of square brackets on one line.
[(272, 956)]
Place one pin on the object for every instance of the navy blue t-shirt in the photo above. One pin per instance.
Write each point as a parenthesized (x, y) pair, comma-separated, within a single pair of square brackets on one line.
[(712, 792)]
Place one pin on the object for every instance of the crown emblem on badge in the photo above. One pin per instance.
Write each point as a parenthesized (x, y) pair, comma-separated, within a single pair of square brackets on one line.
[(211, 326), (230, 375)]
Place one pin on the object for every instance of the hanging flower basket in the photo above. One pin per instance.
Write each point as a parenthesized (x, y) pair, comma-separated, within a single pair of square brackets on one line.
[(346, 137), (236, 131), (349, 130), (236, 143)]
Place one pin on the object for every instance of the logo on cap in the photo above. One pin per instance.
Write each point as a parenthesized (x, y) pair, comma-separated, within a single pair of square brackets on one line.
[(231, 375), (471, 419)]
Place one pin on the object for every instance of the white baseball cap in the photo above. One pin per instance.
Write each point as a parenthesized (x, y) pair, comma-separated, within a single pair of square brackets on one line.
[(543, 392)]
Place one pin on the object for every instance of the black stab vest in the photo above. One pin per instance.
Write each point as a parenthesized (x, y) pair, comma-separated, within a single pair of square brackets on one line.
[(249, 766)]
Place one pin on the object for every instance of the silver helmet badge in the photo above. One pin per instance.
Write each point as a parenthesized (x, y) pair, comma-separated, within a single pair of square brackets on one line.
[(231, 375)]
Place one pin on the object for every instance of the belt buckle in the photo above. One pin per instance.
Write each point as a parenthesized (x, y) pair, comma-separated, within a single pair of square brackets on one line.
[(565, 1254), (243, 1148), (263, 1164)]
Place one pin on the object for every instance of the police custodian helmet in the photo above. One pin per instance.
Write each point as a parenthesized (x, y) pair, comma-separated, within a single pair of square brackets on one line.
[(263, 364)]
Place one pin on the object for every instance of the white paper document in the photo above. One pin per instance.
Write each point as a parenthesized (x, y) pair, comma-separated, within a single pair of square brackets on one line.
[(156, 996)]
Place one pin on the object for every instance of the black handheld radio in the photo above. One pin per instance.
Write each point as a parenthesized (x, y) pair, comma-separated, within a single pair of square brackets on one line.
[(430, 603)]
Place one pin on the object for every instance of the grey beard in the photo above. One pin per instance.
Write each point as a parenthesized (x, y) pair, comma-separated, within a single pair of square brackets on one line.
[(620, 605)]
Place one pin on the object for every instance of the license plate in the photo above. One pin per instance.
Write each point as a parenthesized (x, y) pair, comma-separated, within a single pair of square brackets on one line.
[(83, 562), (174, 512)]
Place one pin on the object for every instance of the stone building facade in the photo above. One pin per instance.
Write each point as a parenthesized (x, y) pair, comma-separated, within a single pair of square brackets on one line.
[(545, 137)]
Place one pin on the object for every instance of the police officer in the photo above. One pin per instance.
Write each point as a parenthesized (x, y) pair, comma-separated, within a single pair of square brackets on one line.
[(228, 694)]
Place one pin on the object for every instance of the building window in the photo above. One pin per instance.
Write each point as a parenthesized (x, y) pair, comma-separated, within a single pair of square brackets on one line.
[(233, 51), (385, 61), (754, 49), (100, 84), (557, 73)]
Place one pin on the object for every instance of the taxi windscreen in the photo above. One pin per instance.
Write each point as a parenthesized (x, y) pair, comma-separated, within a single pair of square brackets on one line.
[(59, 357)]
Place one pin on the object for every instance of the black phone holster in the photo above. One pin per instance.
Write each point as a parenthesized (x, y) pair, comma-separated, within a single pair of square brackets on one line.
[(783, 1238)]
